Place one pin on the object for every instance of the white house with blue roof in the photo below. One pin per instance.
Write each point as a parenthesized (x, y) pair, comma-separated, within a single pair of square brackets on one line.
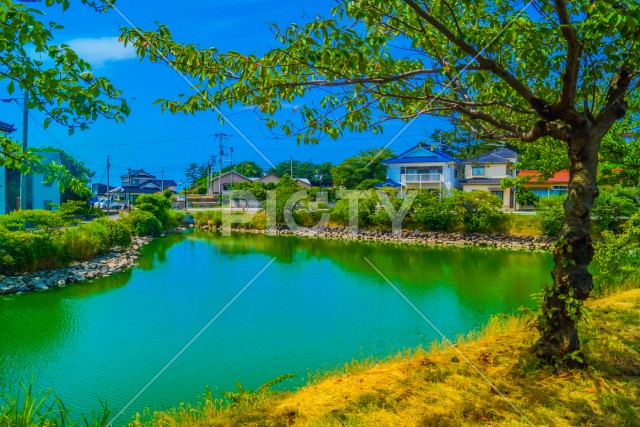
[(422, 166), (486, 172)]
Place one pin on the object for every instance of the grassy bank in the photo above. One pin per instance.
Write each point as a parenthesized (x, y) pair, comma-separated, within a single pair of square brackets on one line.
[(438, 387)]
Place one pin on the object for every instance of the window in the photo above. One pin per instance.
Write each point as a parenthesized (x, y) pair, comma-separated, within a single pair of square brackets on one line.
[(558, 190), (47, 205), (477, 171), (540, 192), (498, 194)]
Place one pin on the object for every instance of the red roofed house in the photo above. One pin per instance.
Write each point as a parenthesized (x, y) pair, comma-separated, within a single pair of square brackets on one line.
[(557, 185)]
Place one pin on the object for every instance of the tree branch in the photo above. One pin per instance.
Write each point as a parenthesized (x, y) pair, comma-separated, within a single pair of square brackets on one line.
[(574, 53)]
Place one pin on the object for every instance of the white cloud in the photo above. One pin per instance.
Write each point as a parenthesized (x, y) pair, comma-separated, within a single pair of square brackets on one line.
[(98, 51)]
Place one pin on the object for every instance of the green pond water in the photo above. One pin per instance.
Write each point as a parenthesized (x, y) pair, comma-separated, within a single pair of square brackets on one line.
[(318, 305)]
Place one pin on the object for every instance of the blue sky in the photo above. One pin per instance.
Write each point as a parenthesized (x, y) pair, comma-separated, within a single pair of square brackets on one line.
[(156, 141)]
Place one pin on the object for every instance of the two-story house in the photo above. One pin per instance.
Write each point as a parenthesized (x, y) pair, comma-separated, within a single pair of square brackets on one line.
[(138, 182), (422, 167), (486, 171)]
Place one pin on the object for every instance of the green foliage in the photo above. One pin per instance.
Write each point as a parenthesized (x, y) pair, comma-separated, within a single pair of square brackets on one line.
[(142, 223), (367, 184), (284, 190), (480, 211), (26, 408), (617, 258), (613, 205), (366, 166), (84, 241), (434, 211), (366, 210), (246, 168), (244, 397), (212, 218), (258, 189), (118, 233), (526, 197), (77, 169), (167, 193), (60, 84), (550, 213), (157, 205), (26, 251), (32, 219), (317, 174)]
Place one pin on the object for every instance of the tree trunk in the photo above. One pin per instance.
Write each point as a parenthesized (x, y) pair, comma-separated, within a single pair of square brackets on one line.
[(572, 282)]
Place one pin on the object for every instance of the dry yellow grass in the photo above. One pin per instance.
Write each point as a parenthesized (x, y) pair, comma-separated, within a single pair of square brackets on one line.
[(439, 388)]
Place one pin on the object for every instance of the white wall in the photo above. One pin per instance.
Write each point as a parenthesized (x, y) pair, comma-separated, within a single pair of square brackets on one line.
[(42, 193), (490, 171)]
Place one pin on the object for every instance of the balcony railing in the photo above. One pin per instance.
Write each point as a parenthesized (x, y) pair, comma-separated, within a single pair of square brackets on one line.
[(421, 178)]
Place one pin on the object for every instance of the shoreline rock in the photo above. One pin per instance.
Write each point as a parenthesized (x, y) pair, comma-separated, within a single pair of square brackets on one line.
[(114, 261), (427, 238)]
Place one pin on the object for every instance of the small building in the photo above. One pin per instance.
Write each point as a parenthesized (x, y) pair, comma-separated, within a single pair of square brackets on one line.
[(138, 182), (423, 167), (39, 194), (304, 182), (486, 172), (557, 185), (270, 178), (99, 189), (224, 183)]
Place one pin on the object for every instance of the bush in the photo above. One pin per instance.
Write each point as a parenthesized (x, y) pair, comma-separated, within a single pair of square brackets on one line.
[(366, 208), (143, 223), (119, 233), (167, 193), (526, 197), (83, 242), (550, 213), (213, 218), (433, 211), (617, 258), (25, 251), (480, 211), (613, 205), (157, 205), (36, 218), (73, 209)]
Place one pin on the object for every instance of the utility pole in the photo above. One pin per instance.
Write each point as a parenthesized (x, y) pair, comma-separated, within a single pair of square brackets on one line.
[(108, 186), (25, 135), (221, 136), (232, 172), (129, 191)]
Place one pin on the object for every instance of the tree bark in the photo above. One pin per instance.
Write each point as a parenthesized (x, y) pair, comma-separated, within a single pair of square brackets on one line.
[(572, 282)]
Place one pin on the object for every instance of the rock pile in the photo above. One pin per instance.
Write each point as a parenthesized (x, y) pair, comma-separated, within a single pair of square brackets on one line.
[(493, 240), (112, 262)]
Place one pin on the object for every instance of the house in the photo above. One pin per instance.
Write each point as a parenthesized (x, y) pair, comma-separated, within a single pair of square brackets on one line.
[(226, 180), (39, 193), (138, 182), (486, 171), (99, 189), (270, 178), (423, 166), (304, 182), (557, 185)]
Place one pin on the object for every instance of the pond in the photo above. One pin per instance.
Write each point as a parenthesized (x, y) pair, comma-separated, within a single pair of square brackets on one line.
[(318, 305)]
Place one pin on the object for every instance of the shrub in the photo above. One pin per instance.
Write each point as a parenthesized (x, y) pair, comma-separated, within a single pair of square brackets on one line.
[(167, 193), (74, 209), (83, 242), (36, 218), (366, 208), (25, 251), (143, 223), (119, 233), (617, 258), (550, 213), (480, 211), (433, 211), (526, 197), (612, 205), (209, 217), (157, 205)]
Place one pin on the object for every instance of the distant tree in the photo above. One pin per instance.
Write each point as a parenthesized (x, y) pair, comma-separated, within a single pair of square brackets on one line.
[(77, 169), (247, 168), (367, 165), (192, 174)]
